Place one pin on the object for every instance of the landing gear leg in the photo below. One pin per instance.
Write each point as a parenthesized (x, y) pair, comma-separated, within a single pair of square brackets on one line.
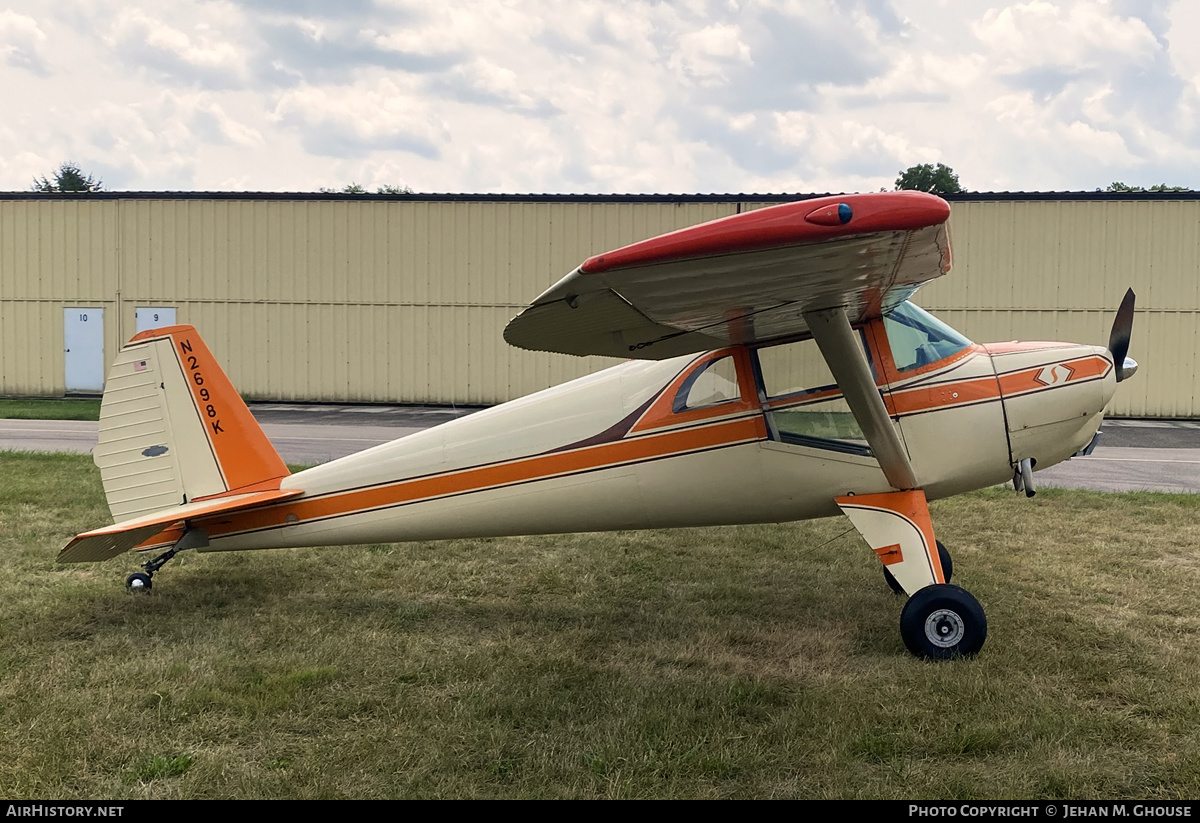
[(1023, 476), (939, 620), (193, 538), (947, 570)]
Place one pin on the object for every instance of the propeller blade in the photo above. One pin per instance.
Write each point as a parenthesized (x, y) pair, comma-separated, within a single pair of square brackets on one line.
[(1118, 338)]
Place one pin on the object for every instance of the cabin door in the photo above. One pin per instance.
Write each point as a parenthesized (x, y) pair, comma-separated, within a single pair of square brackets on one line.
[(802, 402)]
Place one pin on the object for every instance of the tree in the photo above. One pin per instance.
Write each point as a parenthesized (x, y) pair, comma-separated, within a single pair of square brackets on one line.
[(935, 179), (68, 177), (355, 188), (1121, 187)]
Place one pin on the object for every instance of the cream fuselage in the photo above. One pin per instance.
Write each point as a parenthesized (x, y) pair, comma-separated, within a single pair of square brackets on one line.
[(610, 452)]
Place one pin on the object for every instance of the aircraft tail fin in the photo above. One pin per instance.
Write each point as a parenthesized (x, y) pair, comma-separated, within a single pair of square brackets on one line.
[(173, 430)]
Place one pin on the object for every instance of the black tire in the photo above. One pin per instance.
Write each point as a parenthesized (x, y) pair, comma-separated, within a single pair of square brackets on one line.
[(947, 569), (942, 622), (138, 582), (947, 563), (893, 584)]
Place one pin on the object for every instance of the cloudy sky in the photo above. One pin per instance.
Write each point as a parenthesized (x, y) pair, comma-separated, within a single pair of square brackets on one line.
[(600, 97)]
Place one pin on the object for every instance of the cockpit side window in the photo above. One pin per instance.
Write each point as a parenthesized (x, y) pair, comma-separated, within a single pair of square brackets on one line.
[(917, 338), (804, 405)]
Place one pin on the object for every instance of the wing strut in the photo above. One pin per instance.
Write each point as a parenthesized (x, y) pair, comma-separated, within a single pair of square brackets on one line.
[(846, 359)]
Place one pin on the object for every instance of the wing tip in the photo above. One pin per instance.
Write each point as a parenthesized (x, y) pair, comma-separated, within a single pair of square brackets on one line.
[(785, 224)]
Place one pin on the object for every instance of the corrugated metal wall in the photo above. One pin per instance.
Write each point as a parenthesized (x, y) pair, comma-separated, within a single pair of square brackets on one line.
[(1057, 270), (404, 300), (342, 300), (53, 254)]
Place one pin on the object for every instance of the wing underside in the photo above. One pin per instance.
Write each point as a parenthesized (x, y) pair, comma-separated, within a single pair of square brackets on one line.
[(750, 278)]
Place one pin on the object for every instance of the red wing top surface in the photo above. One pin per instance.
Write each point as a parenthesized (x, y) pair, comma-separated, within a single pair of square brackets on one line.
[(748, 278)]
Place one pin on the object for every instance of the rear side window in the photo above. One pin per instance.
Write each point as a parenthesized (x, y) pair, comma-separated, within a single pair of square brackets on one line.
[(714, 384)]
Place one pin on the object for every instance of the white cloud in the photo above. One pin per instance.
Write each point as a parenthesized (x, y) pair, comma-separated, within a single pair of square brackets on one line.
[(22, 41), (642, 96), (1049, 140), (1081, 35), (212, 122), (1096, 107), (1183, 37), (488, 82), (830, 147), (21, 168), (353, 120), (922, 74), (1106, 146), (705, 56), (204, 55)]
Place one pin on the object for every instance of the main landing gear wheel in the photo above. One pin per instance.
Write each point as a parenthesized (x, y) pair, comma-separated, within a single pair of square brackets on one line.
[(943, 621), (138, 582), (947, 569)]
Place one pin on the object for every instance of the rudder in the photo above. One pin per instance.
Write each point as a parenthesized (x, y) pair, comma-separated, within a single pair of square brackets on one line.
[(173, 429)]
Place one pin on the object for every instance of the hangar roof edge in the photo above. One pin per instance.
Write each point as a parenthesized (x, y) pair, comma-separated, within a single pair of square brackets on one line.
[(426, 197)]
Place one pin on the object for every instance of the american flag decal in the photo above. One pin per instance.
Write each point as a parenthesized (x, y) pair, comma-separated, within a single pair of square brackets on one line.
[(139, 365)]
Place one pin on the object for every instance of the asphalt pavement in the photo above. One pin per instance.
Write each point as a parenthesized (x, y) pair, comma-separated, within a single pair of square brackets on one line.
[(1151, 455)]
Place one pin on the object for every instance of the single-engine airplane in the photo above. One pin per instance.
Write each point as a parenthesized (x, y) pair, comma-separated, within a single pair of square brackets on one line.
[(779, 373)]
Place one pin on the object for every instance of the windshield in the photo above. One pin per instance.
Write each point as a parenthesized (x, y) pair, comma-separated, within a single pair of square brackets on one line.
[(918, 338)]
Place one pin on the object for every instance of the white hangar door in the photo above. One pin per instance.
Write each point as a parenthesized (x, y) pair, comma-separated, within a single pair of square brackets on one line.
[(153, 317), (83, 345)]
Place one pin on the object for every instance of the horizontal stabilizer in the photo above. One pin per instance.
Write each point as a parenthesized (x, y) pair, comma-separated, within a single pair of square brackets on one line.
[(101, 544)]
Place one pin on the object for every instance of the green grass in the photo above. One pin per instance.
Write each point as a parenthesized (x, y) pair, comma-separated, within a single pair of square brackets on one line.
[(759, 661), (84, 408), (156, 767)]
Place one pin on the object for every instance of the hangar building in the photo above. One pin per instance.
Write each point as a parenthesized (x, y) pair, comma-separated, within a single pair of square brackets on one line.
[(402, 298)]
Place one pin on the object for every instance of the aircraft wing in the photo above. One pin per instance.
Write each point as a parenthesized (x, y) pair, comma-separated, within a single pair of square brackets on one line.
[(748, 278)]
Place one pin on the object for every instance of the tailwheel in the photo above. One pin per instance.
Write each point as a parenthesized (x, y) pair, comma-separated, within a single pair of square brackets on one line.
[(138, 582), (141, 581), (943, 621), (943, 557)]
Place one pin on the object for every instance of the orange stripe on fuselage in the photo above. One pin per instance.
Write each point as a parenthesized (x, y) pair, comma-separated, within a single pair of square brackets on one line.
[(482, 478), (631, 450), (978, 389), (1026, 380), (928, 398), (909, 398)]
